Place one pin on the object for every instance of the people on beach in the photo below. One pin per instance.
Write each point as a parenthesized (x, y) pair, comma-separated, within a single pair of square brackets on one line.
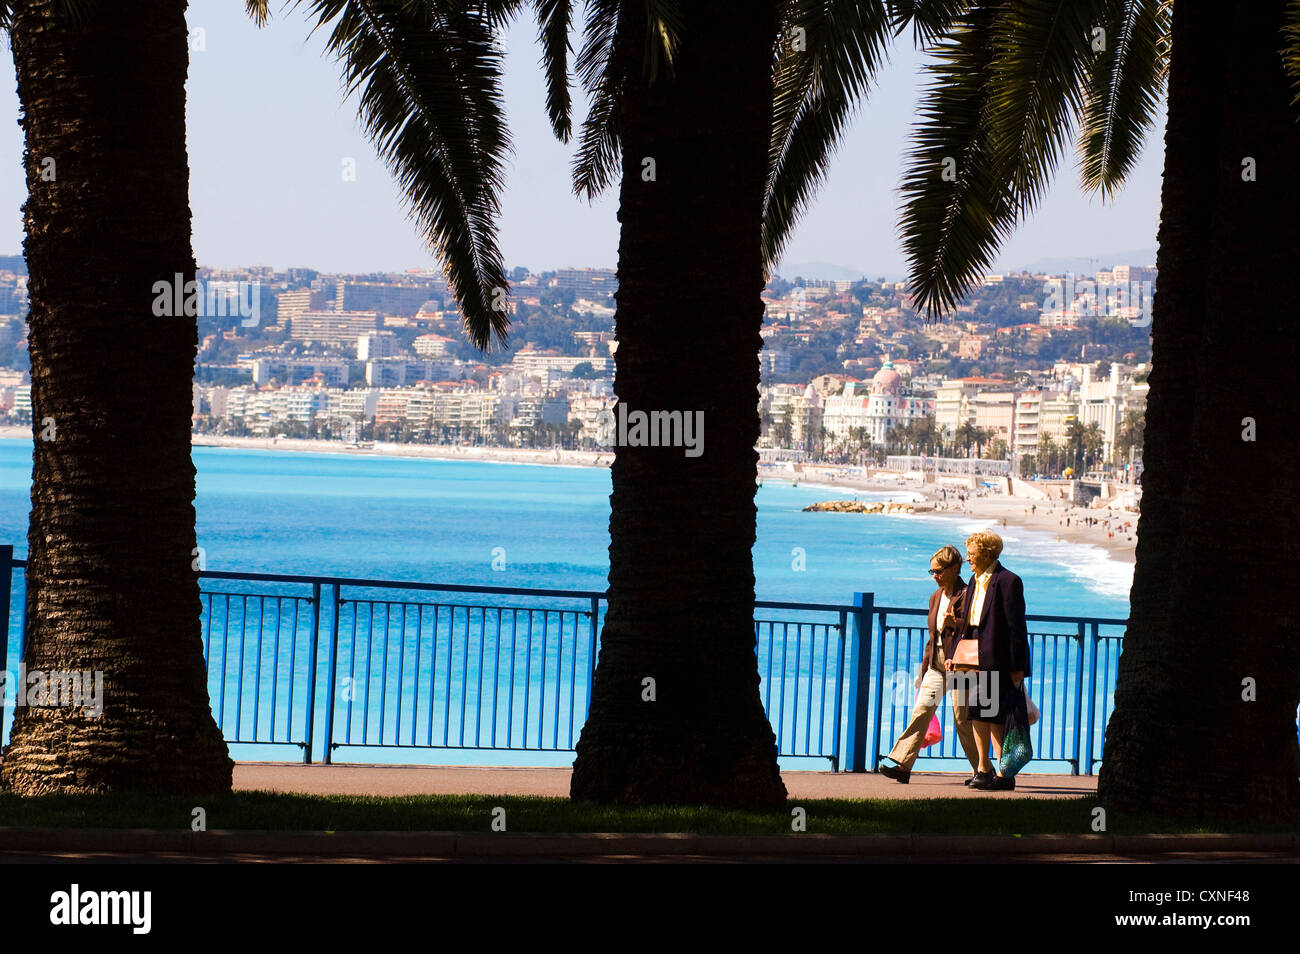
[(931, 679), (992, 652)]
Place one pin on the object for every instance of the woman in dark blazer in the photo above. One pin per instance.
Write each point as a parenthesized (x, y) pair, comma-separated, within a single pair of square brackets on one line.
[(993, 614)]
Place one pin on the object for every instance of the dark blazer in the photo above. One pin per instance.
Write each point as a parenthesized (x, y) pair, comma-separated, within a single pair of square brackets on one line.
[(949, 635), (1003, 634)]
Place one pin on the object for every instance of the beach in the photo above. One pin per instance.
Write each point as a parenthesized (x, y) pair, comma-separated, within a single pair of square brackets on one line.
[(1114, 531), (996, 510)]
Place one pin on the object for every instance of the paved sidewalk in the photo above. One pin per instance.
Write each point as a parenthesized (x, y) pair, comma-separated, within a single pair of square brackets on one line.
[(478, 780)]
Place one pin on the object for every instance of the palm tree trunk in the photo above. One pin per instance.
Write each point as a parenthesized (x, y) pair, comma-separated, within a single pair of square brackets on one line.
[(110, 584), (1209, 680), (681, 582)]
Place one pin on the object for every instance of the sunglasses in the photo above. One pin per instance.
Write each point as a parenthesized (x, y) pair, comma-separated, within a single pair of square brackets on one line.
[(941, 569)]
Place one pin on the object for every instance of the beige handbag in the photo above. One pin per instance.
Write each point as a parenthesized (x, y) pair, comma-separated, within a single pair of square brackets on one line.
[(967, 653)]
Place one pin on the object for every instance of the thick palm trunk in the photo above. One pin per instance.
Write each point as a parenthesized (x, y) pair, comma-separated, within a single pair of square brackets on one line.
[(1209, 681), (681, 593), (110, 584)]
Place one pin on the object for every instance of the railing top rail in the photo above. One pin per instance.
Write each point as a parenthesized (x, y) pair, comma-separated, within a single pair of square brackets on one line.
[(1029, 617), (588, 594), (399, 584), (1102, 620), (820, 607)]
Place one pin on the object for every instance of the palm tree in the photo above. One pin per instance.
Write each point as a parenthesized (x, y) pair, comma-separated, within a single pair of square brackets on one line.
[(674, 114), (965, 435), (1094, 442), (1046, 456), (1010, 80), (110, 581), (111, 585), (676, 715), (1129, 437)]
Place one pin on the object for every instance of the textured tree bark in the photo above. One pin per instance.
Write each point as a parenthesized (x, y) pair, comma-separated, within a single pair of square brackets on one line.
[(681, 583), (1209, 680), (110, 581)]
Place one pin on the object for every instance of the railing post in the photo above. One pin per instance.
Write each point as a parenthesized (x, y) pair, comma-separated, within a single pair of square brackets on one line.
[(1078, 706), (591, 654), (878, 697), (1096, 642), (311, 673), (1092, 699), (855, 746), (334, 658), (6, 579)]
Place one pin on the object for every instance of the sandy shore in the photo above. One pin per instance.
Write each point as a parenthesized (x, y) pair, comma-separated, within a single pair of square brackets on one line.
[(1114, 531), (499, 455)]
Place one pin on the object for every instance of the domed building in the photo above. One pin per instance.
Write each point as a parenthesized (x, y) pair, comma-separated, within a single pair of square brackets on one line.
[(884, 405), (887, 380)]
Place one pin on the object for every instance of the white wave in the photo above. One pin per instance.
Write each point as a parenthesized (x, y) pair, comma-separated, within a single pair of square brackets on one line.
[(1086, 563)]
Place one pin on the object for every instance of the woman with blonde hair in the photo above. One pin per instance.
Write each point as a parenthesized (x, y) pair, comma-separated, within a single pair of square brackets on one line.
[(992, 650)]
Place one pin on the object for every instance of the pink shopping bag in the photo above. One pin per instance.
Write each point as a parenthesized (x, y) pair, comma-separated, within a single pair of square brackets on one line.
[(934, 733)]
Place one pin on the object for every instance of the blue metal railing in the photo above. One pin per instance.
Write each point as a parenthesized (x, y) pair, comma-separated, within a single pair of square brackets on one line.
[(326, 663)]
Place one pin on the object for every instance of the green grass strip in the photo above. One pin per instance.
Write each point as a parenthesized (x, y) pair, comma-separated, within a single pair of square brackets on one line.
[(473, 813)]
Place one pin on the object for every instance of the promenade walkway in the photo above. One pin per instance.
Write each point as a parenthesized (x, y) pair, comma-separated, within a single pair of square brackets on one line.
[(478, 780)]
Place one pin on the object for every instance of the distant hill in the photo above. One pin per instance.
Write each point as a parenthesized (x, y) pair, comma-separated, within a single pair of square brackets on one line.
[(823, 270), (1084, 265), (13, 263)]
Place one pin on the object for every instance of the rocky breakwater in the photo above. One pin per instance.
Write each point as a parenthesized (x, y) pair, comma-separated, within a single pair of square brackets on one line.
[(865, 506)]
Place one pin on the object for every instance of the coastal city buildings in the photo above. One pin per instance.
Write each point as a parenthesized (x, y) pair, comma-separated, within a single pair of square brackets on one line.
[(1027, 365)]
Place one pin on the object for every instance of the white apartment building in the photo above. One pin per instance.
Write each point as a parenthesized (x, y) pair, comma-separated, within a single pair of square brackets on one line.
[(1029, 407), (591, 411), (1105, 401), (996, 411), (1056, 413), (802, 407), (337, 328), (953, 405), (537, 362), (291, 304), (403, 372), (377, 344), (287, 370), (431, 346), (353, 405)]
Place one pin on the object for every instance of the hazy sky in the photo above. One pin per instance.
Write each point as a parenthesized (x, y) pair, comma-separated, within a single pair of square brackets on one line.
[(268, 133)]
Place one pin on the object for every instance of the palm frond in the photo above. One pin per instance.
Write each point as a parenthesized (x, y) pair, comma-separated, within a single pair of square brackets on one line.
[(953, 208), (930, 19), (553, 20), (429, 83), (1291, 51), (663, 35), (498, 12), (1008, 85), (600, 67), (1043, 52), (827, 55), (1123, 94), (259, 11)]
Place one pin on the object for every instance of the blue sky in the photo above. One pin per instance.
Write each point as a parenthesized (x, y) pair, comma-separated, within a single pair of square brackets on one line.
[(268, 133)]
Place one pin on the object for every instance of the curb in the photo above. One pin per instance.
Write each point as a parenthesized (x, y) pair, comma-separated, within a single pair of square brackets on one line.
[(482, 845)]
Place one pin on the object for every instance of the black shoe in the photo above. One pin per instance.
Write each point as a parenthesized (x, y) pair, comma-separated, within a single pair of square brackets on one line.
[(1003, 784), (983, 780), (892, 771), (971, 779)]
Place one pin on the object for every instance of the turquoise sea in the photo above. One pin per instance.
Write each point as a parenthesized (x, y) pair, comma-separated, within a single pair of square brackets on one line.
[(490, 524), (413, 519)]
